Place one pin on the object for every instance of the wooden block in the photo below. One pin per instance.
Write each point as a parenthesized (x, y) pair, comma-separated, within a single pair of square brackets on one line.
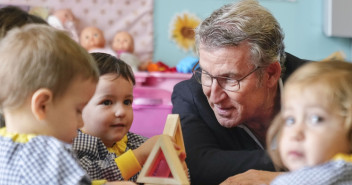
[(173, 128), (163, 165)]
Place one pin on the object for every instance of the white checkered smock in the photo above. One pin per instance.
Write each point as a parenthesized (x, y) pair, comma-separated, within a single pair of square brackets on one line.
[(337, 172), (41, 160), (97, 160)]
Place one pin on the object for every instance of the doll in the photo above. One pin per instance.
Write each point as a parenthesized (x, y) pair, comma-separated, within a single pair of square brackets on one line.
[(93, 40), (123, 45), (123, 42), (64, 19)]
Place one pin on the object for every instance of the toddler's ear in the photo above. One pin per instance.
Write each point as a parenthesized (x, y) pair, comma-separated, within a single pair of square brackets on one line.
[(39, 102)]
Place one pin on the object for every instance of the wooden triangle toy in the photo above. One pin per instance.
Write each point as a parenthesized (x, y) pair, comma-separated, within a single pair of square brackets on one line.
[(173, 128), (163, 165)]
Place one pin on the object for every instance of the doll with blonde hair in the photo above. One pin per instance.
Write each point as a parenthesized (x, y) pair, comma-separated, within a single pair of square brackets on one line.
[(312, 134)]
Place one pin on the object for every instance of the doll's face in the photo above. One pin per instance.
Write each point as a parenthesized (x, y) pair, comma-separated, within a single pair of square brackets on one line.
[(64, 15), (92, 38), (123, 41)]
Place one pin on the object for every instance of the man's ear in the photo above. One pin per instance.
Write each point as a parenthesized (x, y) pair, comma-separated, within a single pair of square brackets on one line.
[(40, 101), (274, 73)]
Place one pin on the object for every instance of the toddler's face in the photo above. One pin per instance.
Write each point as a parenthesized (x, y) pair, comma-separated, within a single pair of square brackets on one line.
[(313, 131), (92, 38), (109, 113), (65, 115)]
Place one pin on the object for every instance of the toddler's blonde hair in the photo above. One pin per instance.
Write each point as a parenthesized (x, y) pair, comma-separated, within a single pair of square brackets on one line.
[(39, 56)]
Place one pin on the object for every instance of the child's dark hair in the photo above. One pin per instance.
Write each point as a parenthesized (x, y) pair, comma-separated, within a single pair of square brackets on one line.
[(110, 64), (12, 16)]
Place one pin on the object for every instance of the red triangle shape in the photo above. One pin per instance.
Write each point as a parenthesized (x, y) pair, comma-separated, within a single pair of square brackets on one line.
[(160, 168)]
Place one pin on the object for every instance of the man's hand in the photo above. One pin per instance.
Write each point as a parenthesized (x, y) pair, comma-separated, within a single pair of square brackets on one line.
[(252, 177)]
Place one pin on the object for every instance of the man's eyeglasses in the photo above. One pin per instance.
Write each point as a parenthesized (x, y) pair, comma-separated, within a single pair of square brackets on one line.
[(227, 83)]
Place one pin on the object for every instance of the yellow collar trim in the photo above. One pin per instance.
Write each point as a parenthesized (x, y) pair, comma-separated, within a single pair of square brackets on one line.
[(345, 157), (19, 138), (119, 147)]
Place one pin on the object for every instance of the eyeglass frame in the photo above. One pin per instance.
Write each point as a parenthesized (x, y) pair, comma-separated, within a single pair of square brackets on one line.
[(194, 71)]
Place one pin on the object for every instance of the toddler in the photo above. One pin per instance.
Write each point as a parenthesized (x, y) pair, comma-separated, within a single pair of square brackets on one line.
[(104, 145), (313, 132), (46, 80), (10, 17)]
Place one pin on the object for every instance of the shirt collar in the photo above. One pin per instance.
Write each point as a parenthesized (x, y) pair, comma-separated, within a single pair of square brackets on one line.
[(119, 147), (16, 137)]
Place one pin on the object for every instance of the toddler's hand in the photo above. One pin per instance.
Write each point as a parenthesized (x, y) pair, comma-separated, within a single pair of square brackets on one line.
[(181, 155), (143, 151)]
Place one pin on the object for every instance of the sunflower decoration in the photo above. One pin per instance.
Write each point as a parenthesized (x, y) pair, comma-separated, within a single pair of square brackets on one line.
[(182, 30)]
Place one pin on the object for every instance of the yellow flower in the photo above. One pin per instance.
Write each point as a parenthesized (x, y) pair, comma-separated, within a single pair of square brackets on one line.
[(182, 30)]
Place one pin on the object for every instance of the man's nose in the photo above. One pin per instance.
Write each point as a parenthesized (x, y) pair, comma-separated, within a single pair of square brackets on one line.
[(216, 92)]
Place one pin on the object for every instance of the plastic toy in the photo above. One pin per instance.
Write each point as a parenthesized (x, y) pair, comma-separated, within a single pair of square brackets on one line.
[(93, 40), (64, 19), (156, 67), (185, 65), (123, 45)]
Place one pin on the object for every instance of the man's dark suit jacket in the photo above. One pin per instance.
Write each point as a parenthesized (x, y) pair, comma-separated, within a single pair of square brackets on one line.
[(215, 153)]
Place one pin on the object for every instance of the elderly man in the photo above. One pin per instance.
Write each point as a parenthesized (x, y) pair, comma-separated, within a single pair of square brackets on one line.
[(228, 104)]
